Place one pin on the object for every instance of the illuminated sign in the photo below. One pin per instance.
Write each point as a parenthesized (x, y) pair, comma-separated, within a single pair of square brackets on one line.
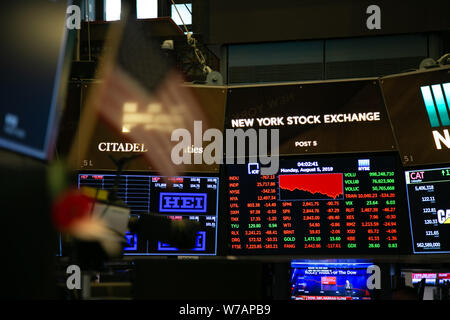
[(429, 209), (416, 176), (309, 119), (326, 117), (364, 165), (121, 147), (443, 216), (435, 98), (315, 205), (253, 168), (178, 198), (182, 202)]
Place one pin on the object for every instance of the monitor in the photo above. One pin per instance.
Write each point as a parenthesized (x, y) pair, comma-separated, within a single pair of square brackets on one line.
[(105, 142), (430, 277), (329, 204), (413, 277), (418, 106), (185, 197), (314, 117), (330, 280), (33, 62), (429, 209)]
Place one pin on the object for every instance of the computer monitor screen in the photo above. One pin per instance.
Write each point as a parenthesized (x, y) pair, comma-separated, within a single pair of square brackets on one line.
[(180, 198), (318, 280), (105, 142), (430, 277), (346, 204), (418, 106), (315, 117), (32, 60), (428, 193)]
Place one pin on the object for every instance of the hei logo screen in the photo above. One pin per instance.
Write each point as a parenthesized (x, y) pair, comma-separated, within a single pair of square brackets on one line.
[(182, 202), (177, 198)]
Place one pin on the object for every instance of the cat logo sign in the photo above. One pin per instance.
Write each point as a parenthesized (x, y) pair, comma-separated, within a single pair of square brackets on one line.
[(444, 216)]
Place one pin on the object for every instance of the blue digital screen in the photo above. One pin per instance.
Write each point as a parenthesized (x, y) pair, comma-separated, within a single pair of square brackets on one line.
[(33, 56), (192, 198), (182, 202), (330, 280)]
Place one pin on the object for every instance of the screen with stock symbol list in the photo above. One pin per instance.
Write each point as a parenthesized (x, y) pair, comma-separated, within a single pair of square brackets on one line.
[(346, 204), (429, 209)]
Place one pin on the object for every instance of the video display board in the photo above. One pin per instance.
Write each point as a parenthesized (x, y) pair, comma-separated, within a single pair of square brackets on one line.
[(314, 117), (430, 277), (318, 280), (340, 204), (428, 193), (179, 198), (34, 70), (418, 104), (105, 142)]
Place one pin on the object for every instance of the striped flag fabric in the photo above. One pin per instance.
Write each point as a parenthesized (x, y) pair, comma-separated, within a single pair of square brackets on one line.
[(141, 96)]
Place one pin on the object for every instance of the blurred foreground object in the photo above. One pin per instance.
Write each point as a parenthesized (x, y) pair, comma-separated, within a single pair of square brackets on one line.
[(85, 219), (179, 233), (97, 221), (141, 96), (27, 237)]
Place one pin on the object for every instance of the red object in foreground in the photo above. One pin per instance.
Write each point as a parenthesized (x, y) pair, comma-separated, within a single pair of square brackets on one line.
[(70, 208)]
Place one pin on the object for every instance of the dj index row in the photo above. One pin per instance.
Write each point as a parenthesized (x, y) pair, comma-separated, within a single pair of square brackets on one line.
[(310, 119)]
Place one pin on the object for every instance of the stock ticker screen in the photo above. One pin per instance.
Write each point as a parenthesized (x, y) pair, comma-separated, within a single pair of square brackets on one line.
[(185, 197), (428, 193), (343, 204)]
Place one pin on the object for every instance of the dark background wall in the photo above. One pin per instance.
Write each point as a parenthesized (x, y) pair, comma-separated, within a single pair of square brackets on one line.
[(235, 21), (255, 41)]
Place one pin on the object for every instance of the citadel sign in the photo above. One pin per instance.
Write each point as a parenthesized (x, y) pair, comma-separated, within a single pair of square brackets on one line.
[(121, 147)]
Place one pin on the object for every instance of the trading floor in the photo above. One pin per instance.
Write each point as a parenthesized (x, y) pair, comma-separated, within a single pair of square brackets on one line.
[(221, 151)]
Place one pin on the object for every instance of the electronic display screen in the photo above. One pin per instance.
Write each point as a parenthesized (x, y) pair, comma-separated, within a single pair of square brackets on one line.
[(345, 204), (418, 105), (185, 197), (315, 280), (316, 117), (428, 193), (32, 57), (105, 142), (430, 278)]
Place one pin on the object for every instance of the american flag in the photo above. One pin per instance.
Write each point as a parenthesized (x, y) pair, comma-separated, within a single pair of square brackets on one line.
[(141, 96)]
